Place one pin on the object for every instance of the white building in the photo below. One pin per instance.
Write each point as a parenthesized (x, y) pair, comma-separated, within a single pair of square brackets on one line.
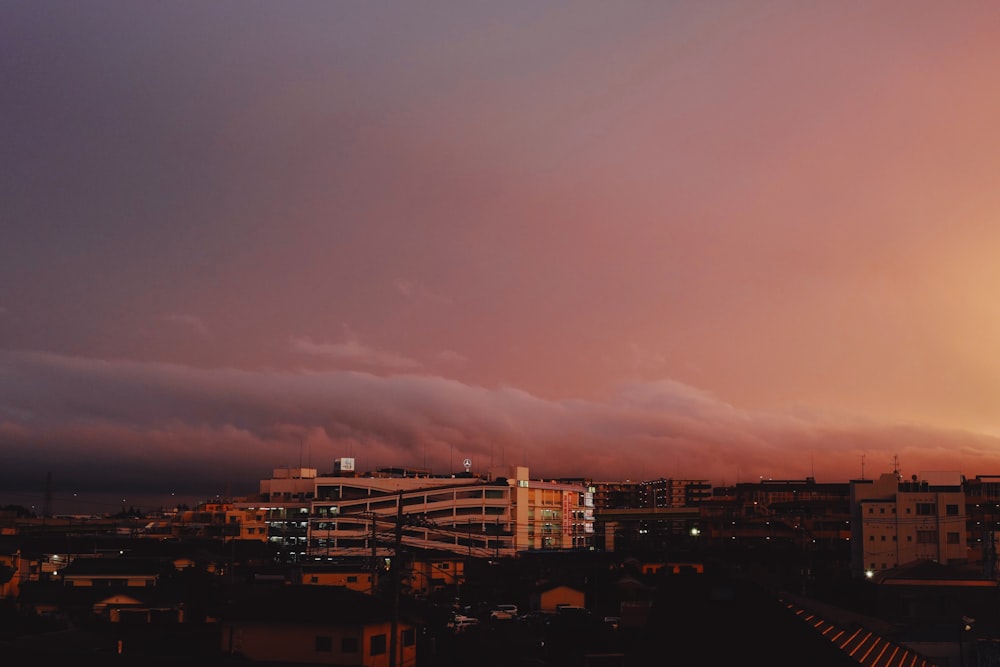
[(896, 521), (498, 514)]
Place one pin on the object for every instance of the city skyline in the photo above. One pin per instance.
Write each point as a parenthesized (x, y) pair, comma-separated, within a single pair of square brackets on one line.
[(718, 241)]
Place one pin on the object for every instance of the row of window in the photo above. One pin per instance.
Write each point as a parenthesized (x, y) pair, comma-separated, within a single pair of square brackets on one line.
[(924, 537), (350, 578), (923, 509)]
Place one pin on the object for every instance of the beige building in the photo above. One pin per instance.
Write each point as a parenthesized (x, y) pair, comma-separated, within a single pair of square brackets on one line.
[(551, 598), (436, 572), (896, 522), (353, 577), (493, 515), (221, 520)]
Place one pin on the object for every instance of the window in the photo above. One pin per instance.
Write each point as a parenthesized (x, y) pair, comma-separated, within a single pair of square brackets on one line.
[(881, 510), (871, 538), (349, 645), (925, 509), (376, 646), (324, 644), (951, 510), (409, 637), (352, 578), (314, 579), (883, 538), (953, 538), (926, 537), (871, 510)]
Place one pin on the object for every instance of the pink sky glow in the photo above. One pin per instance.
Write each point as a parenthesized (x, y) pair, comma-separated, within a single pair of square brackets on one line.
[(723, 240)]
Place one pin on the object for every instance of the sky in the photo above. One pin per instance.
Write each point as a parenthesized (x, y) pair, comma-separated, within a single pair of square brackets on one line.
[(727, 241)]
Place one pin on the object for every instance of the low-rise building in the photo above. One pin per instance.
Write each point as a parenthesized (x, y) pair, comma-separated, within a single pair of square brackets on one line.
[(316, 625)]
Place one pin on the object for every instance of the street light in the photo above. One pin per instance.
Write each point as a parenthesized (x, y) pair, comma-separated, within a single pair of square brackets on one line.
[(967, 625)]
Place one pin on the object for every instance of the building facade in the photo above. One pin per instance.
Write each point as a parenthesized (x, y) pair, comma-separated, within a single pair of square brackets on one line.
[(674, 492), (495, 515), (896, 522)]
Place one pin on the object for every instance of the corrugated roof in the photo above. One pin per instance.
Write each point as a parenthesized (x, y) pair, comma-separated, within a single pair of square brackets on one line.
[(866, 647)]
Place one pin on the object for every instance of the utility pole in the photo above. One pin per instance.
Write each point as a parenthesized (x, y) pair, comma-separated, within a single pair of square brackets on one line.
[(396, 581), (374, 555)]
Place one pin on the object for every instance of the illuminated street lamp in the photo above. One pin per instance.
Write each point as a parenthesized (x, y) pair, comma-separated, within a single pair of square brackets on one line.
[(967, 625)]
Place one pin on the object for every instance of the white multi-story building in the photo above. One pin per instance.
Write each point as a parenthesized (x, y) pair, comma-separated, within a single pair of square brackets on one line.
[(498, 514), (896, 521)]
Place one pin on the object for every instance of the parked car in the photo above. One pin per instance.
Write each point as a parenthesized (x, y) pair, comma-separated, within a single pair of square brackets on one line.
[(503, 612), (460, 623)]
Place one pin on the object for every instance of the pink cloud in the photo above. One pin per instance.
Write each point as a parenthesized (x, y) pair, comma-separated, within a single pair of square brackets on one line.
[(118, 421), (353, 352)]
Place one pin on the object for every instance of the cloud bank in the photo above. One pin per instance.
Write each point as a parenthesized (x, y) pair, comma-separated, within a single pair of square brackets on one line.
[(123, 426)]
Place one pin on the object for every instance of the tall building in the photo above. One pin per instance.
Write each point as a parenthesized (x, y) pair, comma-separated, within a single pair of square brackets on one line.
[(982, 504), (498, 514), (897, 522), (674, 492), (615, 495)]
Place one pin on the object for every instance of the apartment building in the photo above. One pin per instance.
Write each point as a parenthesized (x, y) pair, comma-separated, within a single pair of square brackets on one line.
[(897, 521), (674, 492), (218, 520), (615, 495), (982, 504)]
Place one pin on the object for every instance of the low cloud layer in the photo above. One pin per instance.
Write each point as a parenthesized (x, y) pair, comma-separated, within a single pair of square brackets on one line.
[(120, 426)]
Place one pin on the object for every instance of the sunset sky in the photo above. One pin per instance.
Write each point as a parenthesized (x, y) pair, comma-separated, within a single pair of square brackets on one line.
[(618, 240)]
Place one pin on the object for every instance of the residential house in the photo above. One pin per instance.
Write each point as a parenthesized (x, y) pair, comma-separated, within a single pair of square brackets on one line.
[(315, 625)]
